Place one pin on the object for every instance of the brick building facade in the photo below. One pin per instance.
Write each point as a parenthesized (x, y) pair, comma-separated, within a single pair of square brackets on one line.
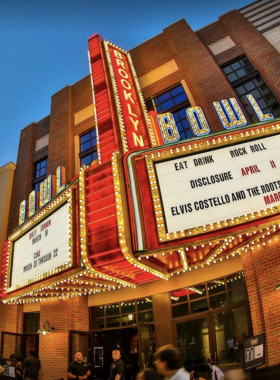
[(227, 59)]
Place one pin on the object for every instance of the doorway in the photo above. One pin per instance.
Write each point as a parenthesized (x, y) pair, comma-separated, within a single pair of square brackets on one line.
[(19, 344), (136, 344), (216, 335)]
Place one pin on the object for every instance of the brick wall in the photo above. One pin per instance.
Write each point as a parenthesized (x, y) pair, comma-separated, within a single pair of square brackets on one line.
[(23, 173), (62, 130), (11, 320), (215, 32), (60, 151), (197, 66), (261, 269), (64, 315), (259, 51)]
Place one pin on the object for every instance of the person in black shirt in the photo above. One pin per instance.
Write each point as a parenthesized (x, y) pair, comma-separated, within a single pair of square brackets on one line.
[(31, 366), (78, 369), (117, 369)]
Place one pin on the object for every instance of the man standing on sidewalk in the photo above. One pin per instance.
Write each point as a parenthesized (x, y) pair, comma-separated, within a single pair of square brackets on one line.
[(31, 366)]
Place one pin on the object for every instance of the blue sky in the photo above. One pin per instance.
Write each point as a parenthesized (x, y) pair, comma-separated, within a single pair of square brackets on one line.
[(43, 47)]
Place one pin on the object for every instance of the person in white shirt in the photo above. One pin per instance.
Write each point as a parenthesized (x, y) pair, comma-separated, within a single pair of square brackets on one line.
[(168, 363), (217, 374)]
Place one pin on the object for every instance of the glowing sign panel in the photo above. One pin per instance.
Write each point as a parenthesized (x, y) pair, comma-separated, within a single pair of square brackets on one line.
[(220, 184), (129, 108), (43, 248)]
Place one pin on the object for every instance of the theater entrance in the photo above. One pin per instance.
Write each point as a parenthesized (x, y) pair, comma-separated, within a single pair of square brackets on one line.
[(18, 344), (216, 335), (136, 344)]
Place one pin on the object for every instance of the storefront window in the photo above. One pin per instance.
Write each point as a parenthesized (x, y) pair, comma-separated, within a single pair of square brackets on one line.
[(112, 309), (198, 306), (216, 286), (179, 296), (128, 319), (218, 301), (197, 292), (125, 313), (216, 293), (144, 304), (235, 280), (127, 307), (180, 310), (147, 316), (101, 323), (237, 295), (113, 322)]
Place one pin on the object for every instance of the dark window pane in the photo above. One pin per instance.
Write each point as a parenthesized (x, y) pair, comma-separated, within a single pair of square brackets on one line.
[(112, 309), (240, 73), (128, 307), (43, 171), (101, 323), (128, 319), (227, 70), (180, 128), (218, 301), (179, 296), (198, 306), (143, 304), (235, 280), (232, 77), (146, 316), (276, 110), (258, 81), (86, 160), (169, 99), (113, 322), (85, 146), (164, 97), (215, 287), (40, 168), (240, 90), (94, 156), (180, 310), (256, 94), (197, 292), (236, 65), (244, 61), (249, 86), (96, 322), (237, 295), (165, 106), (262, 104), (31, 322), (182, 114), (180, 98), (177, 90), (88, 147), (84, 138)]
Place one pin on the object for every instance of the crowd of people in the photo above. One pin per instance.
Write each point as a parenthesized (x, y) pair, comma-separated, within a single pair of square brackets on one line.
[(167, 365), (28, 369)]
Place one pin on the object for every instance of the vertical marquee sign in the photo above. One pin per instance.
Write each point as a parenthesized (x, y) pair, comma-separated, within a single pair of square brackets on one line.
[(132, 116), (134, 123)]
